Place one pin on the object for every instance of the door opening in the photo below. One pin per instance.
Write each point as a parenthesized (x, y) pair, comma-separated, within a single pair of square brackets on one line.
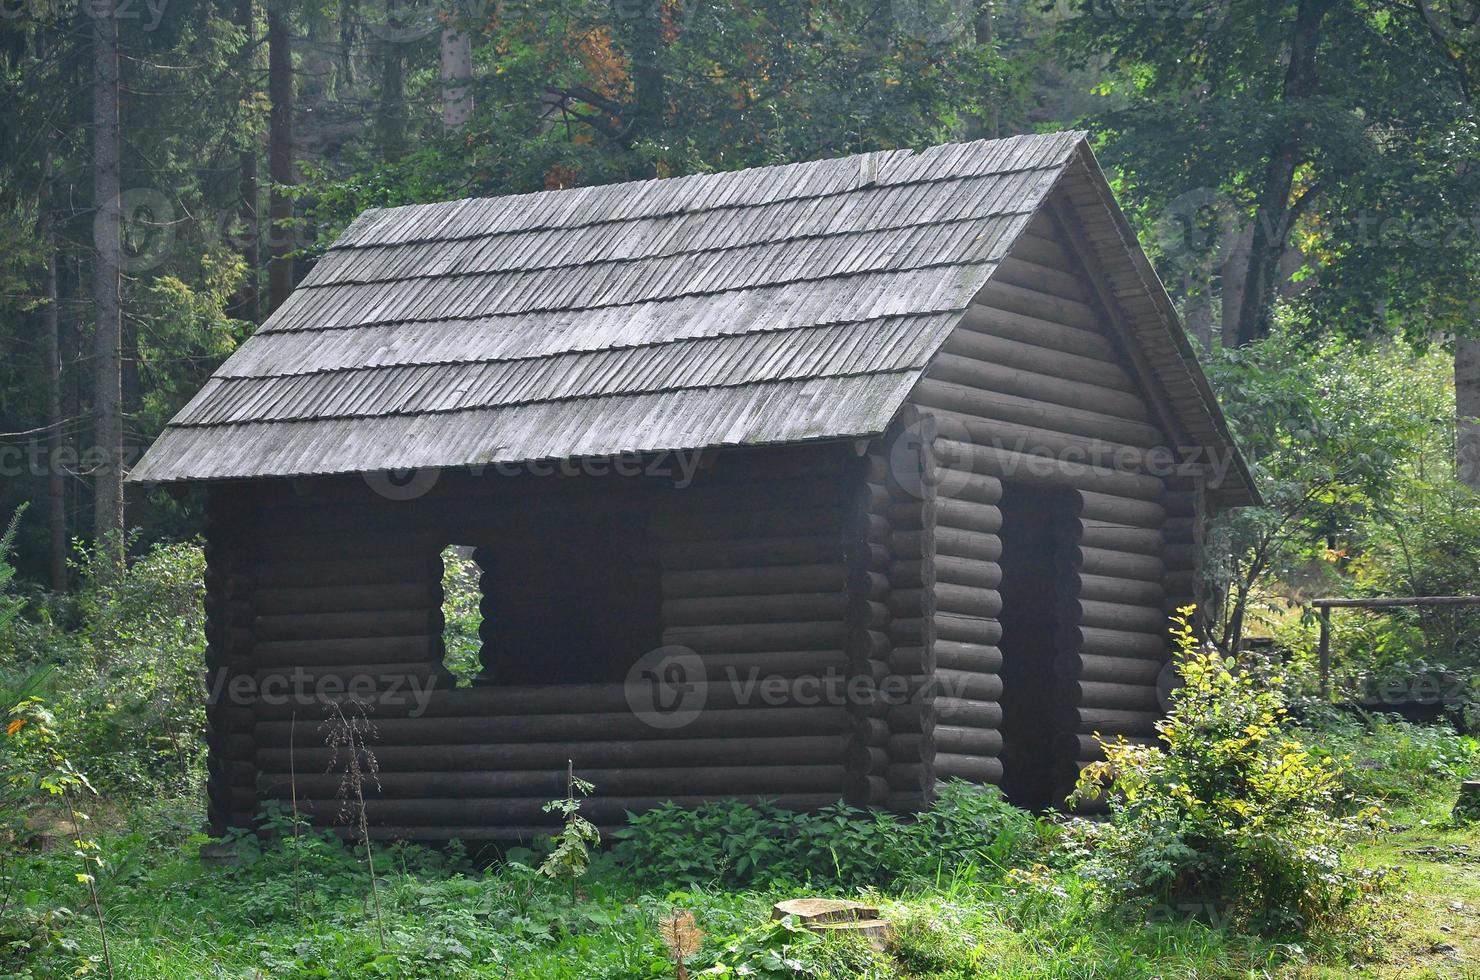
[(1037, 532)]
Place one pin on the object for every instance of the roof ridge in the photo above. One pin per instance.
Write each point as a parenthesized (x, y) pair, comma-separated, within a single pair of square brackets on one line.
[(336, 246), (630, 189)]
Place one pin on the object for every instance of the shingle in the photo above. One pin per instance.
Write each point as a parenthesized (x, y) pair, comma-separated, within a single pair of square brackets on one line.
[(759, 306)]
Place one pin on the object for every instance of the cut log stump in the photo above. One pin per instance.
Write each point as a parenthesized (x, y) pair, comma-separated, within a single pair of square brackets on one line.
[(834, 915)]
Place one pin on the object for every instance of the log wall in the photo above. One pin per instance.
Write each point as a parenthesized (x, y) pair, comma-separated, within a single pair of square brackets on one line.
[(1037, 389), (772, 568)]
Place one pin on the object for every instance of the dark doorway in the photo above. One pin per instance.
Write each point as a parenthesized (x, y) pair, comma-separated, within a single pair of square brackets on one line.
[(1037, 531), (570, 598)]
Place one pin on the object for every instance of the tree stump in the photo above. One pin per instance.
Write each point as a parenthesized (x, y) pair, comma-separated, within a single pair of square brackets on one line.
[(832, 915)]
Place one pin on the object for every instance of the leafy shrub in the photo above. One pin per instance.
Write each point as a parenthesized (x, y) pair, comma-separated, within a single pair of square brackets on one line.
[(1232, 816), (128, 652), (970, 830)]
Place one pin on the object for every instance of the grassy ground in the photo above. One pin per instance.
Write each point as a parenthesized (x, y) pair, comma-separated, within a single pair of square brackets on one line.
[(171, 917)]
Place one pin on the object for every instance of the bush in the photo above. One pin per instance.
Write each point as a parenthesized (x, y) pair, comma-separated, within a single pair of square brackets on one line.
[(1231, 816), (971, 830), (128, 653)]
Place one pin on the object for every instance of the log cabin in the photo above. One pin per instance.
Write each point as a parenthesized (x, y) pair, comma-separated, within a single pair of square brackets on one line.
[(839, 479)]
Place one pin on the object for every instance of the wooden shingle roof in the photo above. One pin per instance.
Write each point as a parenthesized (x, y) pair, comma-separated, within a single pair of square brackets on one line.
[(773, 305)]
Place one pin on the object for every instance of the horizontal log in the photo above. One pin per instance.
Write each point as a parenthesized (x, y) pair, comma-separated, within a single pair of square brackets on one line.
[(753, 552), (980, 657), (1018, 270), (960, 483), (984, 375), (971, 545), (1043, 305), (760, 637), (968, 685), (317, 571), (1039, 332), (860, 789), (1119, 509), (778, 721), (956, 403), (733, 523), (1117, 616), (863, 758), (972, 768), (1042, 360), (1179, 556), (1111, 721), (910, 603), (967, 515), (1112, 643), (969, 713), (1038, 245), (1046, 471), (1102, 588), (914, 718), (908, 747), (967, 629), (1180, 587), (1098, 694), (551, 783), (753, 750), (732, 610), (345, 598), (1120, 537), (910, 777), (1088, 748), (967, 600), (766, 580), (1096, 450), (912, 660), (1120, 564), (967, 740), (344, 625), (969, 572), (272, 547), (1119, 670)]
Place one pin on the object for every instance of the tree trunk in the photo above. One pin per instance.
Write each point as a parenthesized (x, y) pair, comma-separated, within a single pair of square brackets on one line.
[(457, 74), (1197, 310), (1273, 218), (248, 304), (279, 155), (391, 121), (1467, 409), (107, 239), (987, 123), (56, 488), (645, 49)]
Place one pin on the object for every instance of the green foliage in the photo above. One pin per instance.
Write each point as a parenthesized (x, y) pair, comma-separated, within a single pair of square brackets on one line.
[(1231, 812), (462, 616), (570, 855), (127, 660), (1386, 761), (1196, 100), (1351, 444), (970, 831)]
